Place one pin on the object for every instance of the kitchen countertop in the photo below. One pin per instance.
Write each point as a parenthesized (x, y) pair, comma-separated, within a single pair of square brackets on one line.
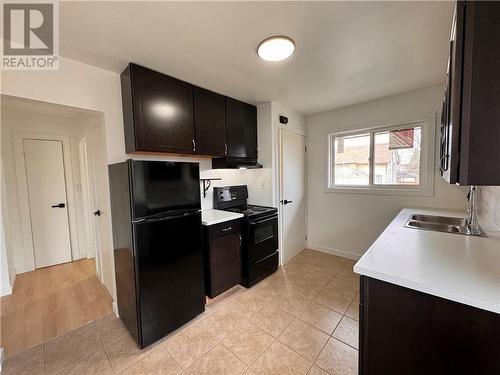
[(212, 216), (460, 268)]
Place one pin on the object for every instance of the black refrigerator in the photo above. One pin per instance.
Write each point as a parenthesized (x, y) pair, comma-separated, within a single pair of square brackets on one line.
[(156, 215)]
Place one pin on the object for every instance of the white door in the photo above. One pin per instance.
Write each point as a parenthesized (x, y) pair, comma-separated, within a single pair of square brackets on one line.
[(98, 173), (292, 193), (47, 201)]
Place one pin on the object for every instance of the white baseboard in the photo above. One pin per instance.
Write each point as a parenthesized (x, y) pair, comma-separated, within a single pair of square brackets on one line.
[(2, 358), (115, 309), (13, 280), (329, 250), (24, 270), (5, 291)]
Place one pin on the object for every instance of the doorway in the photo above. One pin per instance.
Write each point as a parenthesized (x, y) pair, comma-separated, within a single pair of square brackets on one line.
[(91, 154), (46, 185), (292, 192), (57, 280)]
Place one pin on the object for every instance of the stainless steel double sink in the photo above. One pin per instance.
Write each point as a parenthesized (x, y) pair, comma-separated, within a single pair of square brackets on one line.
[(445, 224)]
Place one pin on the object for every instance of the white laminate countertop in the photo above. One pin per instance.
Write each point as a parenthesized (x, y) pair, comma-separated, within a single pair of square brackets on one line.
[(212, 216), (460, 268)]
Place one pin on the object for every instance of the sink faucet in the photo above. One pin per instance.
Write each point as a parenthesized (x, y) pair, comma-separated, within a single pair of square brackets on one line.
[(472, 220)]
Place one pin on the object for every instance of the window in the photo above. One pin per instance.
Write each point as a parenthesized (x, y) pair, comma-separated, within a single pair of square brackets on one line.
[(352, 160), (382, 160)]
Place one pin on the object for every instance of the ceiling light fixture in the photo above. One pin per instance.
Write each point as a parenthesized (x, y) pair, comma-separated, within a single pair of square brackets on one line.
[(276, 48)]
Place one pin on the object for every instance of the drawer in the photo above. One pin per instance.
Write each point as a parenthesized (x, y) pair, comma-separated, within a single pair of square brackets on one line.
[(261, 269), (225, 228)]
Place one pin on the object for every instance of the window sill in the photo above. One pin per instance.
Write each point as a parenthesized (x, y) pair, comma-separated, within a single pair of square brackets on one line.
[(420, 191)]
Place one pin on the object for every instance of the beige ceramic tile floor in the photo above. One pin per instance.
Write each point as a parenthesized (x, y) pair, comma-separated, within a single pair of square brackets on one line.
[(301, 320)]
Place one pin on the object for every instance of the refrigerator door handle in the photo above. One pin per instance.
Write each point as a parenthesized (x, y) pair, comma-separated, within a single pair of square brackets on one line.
[(164, 218)]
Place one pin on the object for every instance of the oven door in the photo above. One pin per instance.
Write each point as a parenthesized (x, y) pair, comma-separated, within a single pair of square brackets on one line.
[(262, 237)]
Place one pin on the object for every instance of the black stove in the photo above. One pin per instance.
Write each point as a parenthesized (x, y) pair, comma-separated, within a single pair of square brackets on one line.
[(253, 211), (259, 245)]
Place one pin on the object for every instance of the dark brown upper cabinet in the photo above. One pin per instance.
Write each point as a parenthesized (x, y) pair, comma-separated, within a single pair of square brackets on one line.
[(241, 129), (209, 122), (470, 121), (164, 114), (157, 112)]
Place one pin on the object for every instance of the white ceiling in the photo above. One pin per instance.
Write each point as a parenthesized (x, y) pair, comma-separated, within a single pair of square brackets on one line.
[(346, 52)]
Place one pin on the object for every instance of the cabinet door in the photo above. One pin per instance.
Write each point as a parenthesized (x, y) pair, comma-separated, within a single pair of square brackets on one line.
[(454, 93), (241, 129), (225, 254), (209, 120), (403, 331), (163, 112)]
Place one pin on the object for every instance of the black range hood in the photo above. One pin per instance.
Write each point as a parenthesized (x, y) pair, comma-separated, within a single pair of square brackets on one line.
[(231, 162)]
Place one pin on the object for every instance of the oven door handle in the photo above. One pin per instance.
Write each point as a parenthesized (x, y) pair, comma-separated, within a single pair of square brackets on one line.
[(264, 220)]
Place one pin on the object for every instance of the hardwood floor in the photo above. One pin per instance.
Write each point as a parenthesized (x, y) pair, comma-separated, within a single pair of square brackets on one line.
[(50, 302)]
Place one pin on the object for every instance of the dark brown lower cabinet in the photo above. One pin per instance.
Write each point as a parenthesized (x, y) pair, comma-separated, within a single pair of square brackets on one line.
[(403, 331), (222, 257)]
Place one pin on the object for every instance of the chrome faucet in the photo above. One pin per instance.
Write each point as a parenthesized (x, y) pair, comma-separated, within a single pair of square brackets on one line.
[(472, 222)]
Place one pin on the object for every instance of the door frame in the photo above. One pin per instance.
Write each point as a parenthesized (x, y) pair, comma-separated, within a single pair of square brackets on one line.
[(90, 244), (279, 182), (92, 234), (22, 191)]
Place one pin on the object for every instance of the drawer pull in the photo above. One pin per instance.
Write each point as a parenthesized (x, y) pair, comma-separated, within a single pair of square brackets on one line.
[(226, 229)]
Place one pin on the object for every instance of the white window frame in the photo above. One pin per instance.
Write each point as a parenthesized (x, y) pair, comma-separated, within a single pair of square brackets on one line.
[(426, 186)]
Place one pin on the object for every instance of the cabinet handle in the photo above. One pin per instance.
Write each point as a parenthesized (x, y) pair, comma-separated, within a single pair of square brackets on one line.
[(194, 145), (225, 148), (226, 229), (241, 240)]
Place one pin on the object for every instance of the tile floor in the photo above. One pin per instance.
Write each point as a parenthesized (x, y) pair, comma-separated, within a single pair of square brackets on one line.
[(49, 302), (301, 320)]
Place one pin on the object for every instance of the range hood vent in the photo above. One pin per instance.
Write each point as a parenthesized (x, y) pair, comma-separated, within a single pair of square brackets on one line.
[(235, 163)]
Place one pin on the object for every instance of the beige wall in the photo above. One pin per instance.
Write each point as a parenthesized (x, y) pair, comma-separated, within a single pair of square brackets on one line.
[(348, 224)]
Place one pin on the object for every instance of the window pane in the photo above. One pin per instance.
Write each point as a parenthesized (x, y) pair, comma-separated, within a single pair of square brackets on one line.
[(352, 160), (397, 157)]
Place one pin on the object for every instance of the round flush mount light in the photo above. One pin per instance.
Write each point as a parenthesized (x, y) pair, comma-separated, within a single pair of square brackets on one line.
[(276, 48)]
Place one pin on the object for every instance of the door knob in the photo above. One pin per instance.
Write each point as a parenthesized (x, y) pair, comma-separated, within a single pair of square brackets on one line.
[(285, 201), (97, 213), (59, 205)]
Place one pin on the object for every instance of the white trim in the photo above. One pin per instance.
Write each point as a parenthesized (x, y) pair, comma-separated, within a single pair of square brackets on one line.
[(427, 167), (13, 280), (29, 255), (279, 185), (279, 195), (332, 251), (2, 358), (115, 309), (291, 129), (90, 243), (5, 291)]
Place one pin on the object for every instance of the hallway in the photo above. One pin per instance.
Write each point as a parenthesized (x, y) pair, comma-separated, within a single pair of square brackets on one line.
[(49, 302)]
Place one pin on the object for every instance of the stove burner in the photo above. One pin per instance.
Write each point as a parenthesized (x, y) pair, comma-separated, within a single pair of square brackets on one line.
[(234, 198), (252, 210)]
